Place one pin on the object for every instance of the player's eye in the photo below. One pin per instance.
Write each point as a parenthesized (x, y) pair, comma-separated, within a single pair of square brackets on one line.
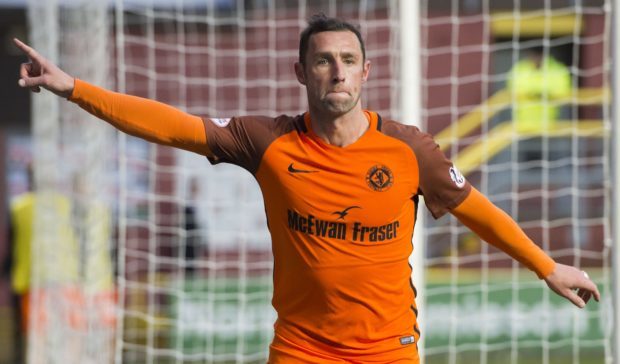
[(321, 61)]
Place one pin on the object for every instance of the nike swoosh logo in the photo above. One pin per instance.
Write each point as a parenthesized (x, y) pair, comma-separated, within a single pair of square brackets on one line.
[(295, 170)]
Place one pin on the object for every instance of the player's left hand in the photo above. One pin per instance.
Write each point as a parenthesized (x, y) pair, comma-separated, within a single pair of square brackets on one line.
[(564, 280)]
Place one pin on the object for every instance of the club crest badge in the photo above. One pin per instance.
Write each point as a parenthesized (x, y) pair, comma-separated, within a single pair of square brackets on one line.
[(379, 178)]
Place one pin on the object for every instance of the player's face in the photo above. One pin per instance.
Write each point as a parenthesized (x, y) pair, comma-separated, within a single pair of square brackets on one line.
[(334, 71)]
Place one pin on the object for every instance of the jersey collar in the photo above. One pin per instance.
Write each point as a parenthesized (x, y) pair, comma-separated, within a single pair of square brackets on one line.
[(373, 118)]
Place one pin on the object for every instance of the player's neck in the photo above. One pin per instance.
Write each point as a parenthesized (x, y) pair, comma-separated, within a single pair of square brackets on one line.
[(341, 130)]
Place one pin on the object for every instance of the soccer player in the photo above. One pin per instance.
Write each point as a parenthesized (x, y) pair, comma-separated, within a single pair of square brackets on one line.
[(341, 187)]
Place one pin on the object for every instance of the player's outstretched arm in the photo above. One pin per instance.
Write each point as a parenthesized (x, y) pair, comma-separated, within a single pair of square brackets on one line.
[(143, 118), (497, 228), (40, 72)]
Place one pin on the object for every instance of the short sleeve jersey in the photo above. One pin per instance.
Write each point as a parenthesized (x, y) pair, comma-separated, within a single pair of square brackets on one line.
[(341, 221)]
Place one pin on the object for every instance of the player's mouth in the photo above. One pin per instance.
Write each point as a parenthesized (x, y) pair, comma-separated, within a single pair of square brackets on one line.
[(338, 92)]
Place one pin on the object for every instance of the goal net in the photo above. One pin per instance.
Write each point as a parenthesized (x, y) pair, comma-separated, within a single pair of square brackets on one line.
[(166, 259), (517, 94)]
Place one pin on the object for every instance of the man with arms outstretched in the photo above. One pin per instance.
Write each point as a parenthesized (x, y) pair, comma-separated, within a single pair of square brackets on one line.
[(341, 188)]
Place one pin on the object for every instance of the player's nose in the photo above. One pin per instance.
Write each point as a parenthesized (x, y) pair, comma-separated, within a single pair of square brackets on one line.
[(338, 74)]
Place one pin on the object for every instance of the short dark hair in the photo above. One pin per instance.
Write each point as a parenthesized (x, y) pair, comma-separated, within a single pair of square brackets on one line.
[(321, 23)]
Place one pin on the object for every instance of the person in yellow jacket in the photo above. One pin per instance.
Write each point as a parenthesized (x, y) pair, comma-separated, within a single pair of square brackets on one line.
[(48, 214), (24, 209), (61, 259), (537, 82)]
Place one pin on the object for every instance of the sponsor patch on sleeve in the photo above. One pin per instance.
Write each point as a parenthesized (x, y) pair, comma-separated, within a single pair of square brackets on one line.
[(457, 177), (221, 122), (406, 340)]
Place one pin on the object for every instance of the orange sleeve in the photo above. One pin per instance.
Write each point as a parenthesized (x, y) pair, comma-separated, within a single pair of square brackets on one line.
[(497, 228), (143, 118)]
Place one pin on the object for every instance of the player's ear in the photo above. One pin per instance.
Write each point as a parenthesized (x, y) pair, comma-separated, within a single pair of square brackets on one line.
[(300, 73), (366, 71)]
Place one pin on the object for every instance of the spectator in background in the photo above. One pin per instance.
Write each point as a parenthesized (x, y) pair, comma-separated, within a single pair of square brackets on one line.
[(538, 81), (22, 214), (193, 240), (72, 273)]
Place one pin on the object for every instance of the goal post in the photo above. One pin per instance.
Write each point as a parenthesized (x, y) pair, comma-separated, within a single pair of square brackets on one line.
[(615, 181), (71, 291), (410, 102)]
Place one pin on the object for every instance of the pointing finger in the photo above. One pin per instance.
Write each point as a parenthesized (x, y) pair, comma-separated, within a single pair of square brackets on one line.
[(23, 46), (30, 52)]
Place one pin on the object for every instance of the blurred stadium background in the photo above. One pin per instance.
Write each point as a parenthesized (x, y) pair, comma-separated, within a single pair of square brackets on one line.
[(160, 258)]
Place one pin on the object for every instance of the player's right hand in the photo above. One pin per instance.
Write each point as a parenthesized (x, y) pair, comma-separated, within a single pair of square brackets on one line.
[(564, 280), (40, 72)]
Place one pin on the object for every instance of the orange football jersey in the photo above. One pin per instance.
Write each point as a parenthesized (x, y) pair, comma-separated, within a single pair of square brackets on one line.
[(341, 221)]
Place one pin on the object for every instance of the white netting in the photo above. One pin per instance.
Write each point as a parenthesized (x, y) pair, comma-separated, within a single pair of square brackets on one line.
[(534, 141), (72, 309), (194, 267)]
